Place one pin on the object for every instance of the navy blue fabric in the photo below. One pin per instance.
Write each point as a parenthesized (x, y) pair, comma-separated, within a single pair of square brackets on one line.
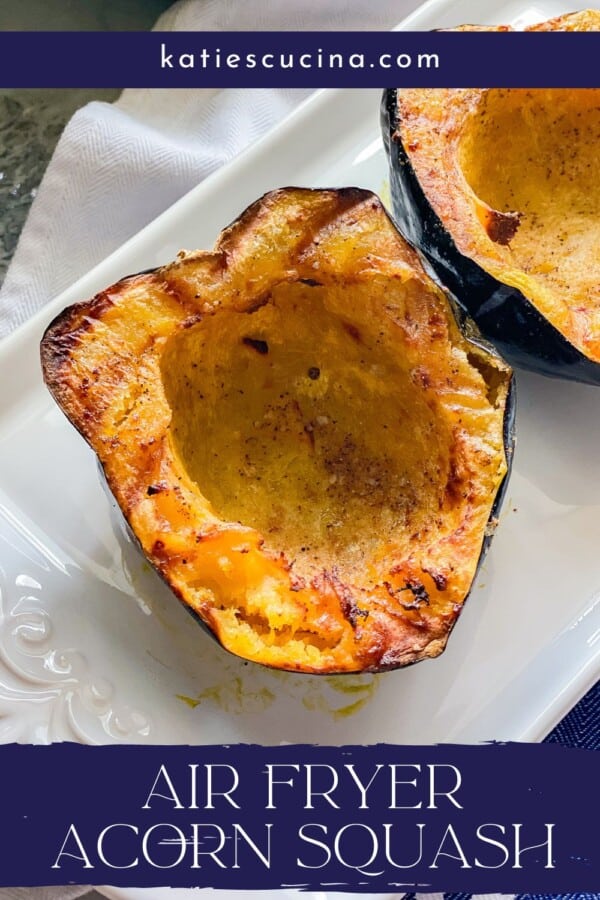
[(580, 728), (513, 897), (457, 896), (557, 896)]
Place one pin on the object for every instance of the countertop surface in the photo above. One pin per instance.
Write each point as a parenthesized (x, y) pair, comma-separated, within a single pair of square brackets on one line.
[(30, 126), (31, 121)]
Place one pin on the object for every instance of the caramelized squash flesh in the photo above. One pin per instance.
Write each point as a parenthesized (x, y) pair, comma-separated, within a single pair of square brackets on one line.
[(301, 419), (534, 155), (306, 441)]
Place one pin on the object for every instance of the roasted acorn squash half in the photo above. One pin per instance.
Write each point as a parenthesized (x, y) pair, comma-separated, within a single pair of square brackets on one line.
[(500, 190), (307, 441)]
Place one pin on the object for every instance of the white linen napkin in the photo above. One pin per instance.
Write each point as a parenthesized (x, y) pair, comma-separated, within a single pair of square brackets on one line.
[(117, 166)]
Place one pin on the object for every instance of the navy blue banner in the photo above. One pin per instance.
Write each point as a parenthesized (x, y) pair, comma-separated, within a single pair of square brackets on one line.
[(298, 59), (512, 818)]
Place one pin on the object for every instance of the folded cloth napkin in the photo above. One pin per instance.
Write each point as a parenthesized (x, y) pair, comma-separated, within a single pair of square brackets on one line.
[(117, 166)]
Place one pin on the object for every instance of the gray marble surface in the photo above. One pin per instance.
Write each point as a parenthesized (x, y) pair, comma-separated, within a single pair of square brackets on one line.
[(30, 125), (31, 120), (80, 15)]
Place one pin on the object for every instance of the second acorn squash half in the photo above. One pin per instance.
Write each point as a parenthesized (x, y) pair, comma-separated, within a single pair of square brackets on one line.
[(500, 190), (307, 440)]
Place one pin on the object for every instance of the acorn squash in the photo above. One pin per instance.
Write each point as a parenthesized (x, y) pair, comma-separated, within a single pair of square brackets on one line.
[(500, 190), (306, 438)]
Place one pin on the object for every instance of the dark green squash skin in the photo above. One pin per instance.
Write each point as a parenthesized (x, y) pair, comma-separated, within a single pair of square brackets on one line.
[(470, 331), (505, 316)]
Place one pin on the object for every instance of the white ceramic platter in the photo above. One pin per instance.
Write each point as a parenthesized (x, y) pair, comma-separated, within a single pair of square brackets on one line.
[(94, 648)]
